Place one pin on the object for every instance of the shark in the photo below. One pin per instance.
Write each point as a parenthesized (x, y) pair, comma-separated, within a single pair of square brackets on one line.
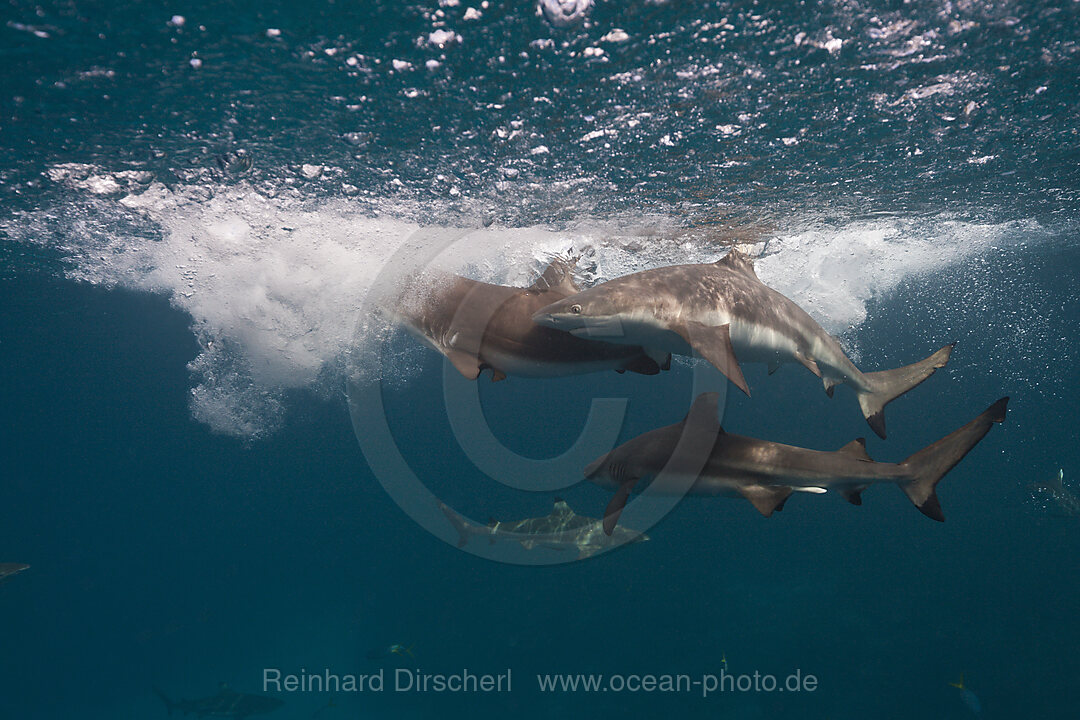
[(479, 326), (226, 704), (562, 529), (768, 473), (725, 314), (1067, 503), (8, 569)]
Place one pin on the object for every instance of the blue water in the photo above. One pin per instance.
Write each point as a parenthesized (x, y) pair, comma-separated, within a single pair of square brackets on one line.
[(193, 213)]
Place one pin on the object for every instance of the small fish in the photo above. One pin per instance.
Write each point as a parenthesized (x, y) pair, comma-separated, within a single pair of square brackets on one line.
[(1066, 502), (226, 704), (970, 698), (7, 569), (401, 651)]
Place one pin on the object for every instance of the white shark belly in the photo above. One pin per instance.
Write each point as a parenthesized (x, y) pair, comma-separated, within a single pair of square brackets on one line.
[(761, 344), (524, 366), (645, 332)]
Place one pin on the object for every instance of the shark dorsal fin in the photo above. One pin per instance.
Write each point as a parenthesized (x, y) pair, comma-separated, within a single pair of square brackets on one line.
[(558, 276), (736, 260), (857, 448), (704, 413), (561, 508)]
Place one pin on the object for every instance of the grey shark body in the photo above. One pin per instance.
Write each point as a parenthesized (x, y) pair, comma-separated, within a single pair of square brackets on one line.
[(563, 529), (727, 315), (1066, 502), (767, 473), (478, 325), (8, 569), (226, 704)]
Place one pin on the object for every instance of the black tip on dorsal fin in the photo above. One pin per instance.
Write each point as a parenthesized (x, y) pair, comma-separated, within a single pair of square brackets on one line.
[(737, 260), (558, 500), (559, 275)]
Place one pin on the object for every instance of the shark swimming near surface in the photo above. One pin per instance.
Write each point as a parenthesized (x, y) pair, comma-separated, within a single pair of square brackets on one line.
[(480, 326), (727, 315), (767, 473), (9, 569), (562, 529), (226, 704), (1066, 502)]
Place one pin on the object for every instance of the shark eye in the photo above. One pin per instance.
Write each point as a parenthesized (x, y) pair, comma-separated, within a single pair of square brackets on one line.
[(575, 309)]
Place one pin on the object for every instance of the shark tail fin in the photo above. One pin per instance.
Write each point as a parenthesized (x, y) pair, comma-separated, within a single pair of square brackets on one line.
[(886, 385), (931, 463), (459, 524), (169, 704)]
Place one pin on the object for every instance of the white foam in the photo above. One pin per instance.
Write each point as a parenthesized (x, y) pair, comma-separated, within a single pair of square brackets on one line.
[(833, 272), (273, 285)]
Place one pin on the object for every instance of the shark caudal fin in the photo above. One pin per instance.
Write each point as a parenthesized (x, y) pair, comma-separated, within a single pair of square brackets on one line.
[(885, 386), (169, 704), (459, 524), (931, 463)]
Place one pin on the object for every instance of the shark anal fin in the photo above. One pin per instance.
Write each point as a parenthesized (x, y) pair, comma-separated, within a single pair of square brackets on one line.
[(615, 507), (497, 375), (766, 499), (852, 493), (714, 344), (857, 448), (830, 386)]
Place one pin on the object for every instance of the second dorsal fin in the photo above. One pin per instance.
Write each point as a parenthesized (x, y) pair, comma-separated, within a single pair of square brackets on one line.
[(857, 448)]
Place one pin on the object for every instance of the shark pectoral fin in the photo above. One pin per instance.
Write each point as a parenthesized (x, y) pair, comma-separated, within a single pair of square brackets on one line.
[(714, 344), (642, 365), (857, 448), (766, 499), (466, 364), (809, 364), (615, 507)]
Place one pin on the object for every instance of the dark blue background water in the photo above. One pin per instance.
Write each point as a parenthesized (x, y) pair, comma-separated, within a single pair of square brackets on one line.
[(165, 553)]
